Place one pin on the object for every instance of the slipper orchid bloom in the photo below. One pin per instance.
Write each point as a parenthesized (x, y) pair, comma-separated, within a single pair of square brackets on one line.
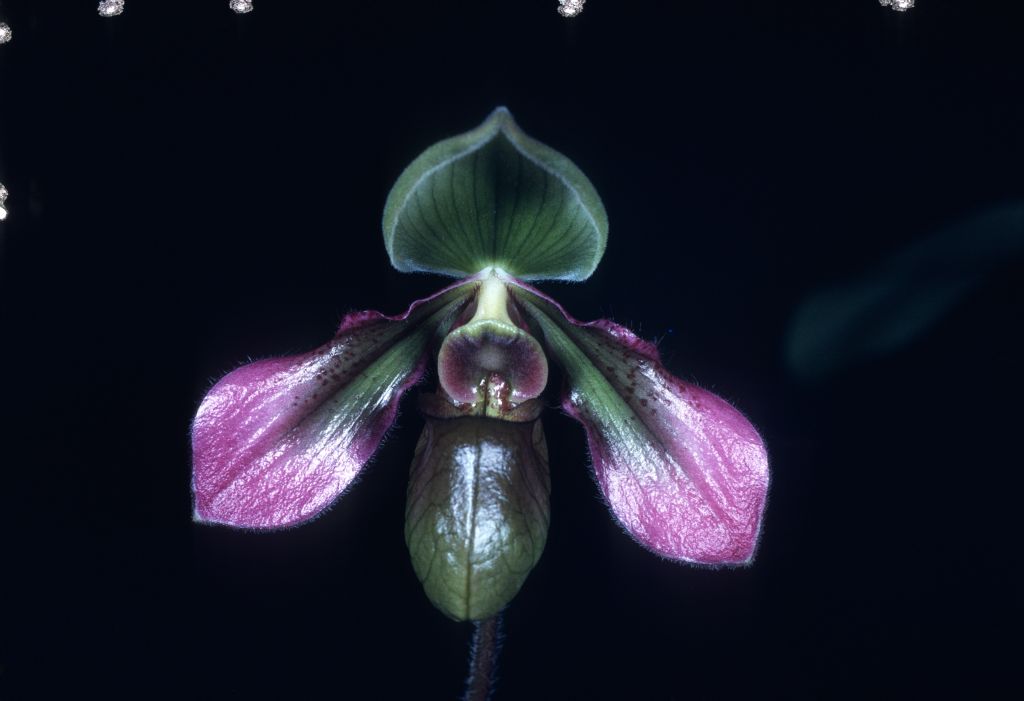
[(277, 441)]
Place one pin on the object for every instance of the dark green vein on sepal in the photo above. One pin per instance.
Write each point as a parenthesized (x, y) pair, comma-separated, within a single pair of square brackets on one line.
[(494, 197)]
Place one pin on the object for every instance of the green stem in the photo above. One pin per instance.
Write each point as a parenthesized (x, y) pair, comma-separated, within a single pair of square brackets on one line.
[(483, 661)]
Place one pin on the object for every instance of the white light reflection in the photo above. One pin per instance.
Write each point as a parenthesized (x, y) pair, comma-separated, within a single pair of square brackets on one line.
[(5, 33), (898, 5), (3, 202), (489, 524), (476, 510), (110, 8), (241, 6), (570, 8)]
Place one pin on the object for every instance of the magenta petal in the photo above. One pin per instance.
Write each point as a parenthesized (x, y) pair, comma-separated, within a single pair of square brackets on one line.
[(276, 441), (683, 471)]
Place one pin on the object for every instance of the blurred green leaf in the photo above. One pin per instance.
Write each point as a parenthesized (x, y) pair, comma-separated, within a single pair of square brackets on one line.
[(897, 300)]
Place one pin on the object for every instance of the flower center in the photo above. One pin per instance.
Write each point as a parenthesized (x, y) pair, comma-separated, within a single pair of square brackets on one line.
[(490, 361)]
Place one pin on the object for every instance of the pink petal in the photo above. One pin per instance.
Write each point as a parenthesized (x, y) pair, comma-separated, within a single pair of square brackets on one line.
[(683, 471), (276, 441)]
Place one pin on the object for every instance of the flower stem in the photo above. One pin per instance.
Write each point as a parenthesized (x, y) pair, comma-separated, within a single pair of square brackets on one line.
[(483, 661)]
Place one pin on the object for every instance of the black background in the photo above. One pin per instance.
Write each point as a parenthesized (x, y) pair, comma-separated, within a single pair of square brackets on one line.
[(190, 188)]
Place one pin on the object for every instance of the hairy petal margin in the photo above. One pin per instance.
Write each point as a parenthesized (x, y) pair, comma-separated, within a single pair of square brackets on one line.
[(276, 441), (683, 471)]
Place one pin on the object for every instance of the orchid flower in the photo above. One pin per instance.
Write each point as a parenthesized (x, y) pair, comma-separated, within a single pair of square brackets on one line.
[(277, 441)]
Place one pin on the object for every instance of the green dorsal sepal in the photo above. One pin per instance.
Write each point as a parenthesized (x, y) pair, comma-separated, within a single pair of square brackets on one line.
[(494, 197)]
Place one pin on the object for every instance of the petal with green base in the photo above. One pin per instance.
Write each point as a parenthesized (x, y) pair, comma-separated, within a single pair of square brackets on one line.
[(684, 472), (275, 442), (494, 197)]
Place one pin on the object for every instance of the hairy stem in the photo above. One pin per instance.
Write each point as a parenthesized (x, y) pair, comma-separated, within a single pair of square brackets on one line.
[(483, 661)]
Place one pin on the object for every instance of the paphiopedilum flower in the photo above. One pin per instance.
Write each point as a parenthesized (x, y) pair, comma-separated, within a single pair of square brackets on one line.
[(277, 441)]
